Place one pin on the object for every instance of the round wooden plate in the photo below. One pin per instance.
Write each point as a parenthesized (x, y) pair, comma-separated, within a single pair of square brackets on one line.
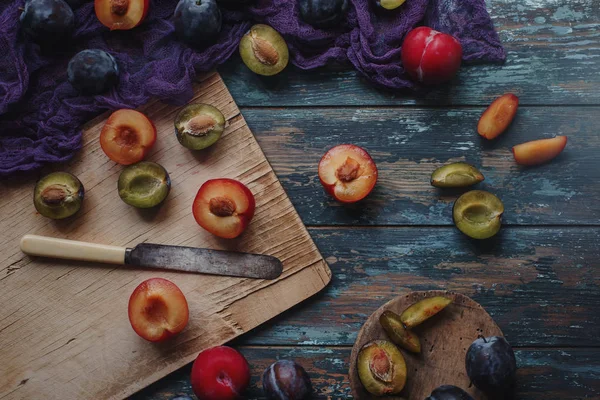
[(445, 339)]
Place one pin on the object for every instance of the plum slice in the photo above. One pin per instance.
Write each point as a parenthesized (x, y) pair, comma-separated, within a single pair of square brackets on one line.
[(224, 207), (127, 136), (144, 185), (58, 195), (121, 14), (348, 173), (422, 310), (199, 126), (498, 116), (478, 214), (157, 310), (393, 326), (539, 151), (381, 368), (457, 174)]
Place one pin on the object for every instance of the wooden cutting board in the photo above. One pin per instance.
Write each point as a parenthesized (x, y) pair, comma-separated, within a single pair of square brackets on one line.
[(64, 330)]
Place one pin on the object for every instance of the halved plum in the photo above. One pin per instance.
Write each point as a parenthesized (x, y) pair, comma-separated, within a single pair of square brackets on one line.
[(127, 136), (224, 207), (144, 185), (199, 126), (58, 195), (157, 310), (121, 14), (381, 368), (348, 173), (478, 214)]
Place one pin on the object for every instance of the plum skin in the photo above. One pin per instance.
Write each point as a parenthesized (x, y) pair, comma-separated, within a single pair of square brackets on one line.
[(93, 71), (198, 22), (286, 380), (47, 21), (220, 373), (491, 365), (449, 392), (323, 13)]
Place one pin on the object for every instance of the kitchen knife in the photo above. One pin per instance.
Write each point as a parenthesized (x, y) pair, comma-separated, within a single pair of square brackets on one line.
[(178, 258)]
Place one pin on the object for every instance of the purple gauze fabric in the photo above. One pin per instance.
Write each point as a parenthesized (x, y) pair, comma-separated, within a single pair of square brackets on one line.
[(41, 114)]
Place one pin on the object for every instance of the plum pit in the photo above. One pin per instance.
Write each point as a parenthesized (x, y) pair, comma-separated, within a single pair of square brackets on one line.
[(349, 170), (221, 206)]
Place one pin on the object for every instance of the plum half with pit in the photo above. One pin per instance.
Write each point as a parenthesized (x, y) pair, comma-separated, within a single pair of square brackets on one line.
[(390, 4), (47, 22), (264, 51), (93, 71), (492, 366), (197, 22), (58, 195), (121, 14), (199, 126), (449, 392), (348, 173), (381, 368), (286, 380), (478, 214), (323, 13), (127, 136), (144, 185), (224, 207)]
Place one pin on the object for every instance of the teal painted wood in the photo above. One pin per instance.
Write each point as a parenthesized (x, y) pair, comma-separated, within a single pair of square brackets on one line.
[(540, 285), (543, 374), (409, 143), (553, 58)]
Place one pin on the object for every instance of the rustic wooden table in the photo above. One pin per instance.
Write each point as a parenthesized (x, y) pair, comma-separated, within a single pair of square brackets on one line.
[(538, 278)]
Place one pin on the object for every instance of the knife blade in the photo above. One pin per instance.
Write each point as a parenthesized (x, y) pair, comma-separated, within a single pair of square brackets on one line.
[(178, 258)]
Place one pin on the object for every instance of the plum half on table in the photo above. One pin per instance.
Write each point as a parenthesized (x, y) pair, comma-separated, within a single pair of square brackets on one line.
[(144, 185), (381, 368), (198, 126), (58, 195), (264, 51), (478, 214)]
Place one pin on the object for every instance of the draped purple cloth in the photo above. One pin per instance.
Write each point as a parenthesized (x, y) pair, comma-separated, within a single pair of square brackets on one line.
[(41, 114)]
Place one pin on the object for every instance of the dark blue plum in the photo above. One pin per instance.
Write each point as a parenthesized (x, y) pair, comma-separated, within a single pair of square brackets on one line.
[(198, 22), (47, 21), (323, 13), (286, 380), (491, 366), (93, 71), (449, 392)]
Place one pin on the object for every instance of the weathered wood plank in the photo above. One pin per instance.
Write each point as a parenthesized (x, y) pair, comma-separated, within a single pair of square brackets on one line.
[(409, 143), (541, 286), (543, 374), (553, 51)]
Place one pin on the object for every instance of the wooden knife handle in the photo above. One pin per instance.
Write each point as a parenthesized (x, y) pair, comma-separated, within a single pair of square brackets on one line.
[(71, 250)]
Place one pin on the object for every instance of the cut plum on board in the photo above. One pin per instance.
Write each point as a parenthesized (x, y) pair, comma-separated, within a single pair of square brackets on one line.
[(158, 310), (144, 185), (478, 214), (198, 126), (395, 329), (498, 116), (58, 195), (421, 311), (121, 14), (539, 151), (429, 56), (224, 207), (127, 136), (348, 173)]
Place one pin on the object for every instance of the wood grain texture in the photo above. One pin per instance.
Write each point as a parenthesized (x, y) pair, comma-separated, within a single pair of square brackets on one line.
[(408, 144), (64, 326), (553, 49), (540, 285), (445, 339), (543, 374)]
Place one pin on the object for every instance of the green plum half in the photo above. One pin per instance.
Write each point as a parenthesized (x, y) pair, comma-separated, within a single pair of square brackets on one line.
[(58, 195), (478, 214), (144, 185), (199, 126)]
